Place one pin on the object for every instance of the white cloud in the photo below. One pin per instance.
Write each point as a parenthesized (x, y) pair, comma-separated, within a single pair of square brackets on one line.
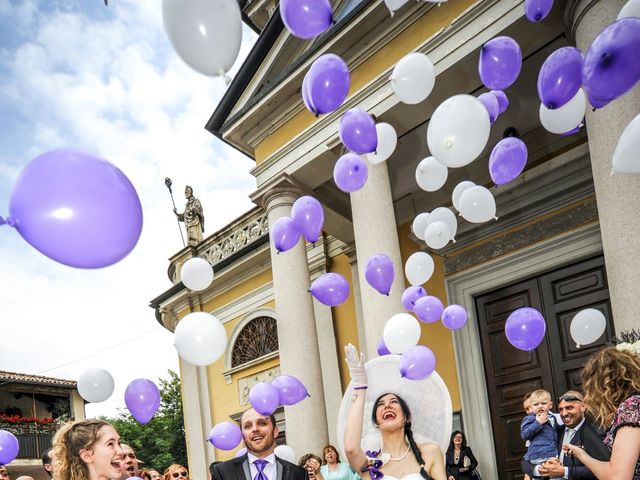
[(106, 82)]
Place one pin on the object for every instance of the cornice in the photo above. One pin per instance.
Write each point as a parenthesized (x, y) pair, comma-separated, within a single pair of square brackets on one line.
[(468, 32)]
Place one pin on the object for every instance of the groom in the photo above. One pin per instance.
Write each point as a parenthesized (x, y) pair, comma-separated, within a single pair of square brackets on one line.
[(259, 434)]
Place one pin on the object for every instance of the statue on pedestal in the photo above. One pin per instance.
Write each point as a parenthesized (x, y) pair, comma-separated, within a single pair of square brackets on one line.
[(193, 217)]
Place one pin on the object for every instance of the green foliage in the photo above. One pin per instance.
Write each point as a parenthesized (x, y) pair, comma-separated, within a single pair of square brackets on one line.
[(160, 442)]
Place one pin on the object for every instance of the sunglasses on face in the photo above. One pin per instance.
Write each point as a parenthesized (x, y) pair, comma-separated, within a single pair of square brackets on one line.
[(179, 474), (569, 398)]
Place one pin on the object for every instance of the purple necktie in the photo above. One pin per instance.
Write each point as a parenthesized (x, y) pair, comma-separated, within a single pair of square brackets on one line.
[(260, 466)]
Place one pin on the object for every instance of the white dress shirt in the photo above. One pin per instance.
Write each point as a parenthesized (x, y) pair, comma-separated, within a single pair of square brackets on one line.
[(269, 469)]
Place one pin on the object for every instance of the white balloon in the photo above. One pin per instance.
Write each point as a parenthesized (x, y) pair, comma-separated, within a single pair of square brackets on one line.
[(420, 225), (285, 452), (457, 192), (431, 174), (419, 268), (95, 385), (387, 142), (196, 274), (443, 214), (401, 332), (458, 130), (206, 34), (392, 5), (437, 235), (565, 118), (413, 78), (200, 338), (587, 326), (477, 205), (630, 9), (626, 158)]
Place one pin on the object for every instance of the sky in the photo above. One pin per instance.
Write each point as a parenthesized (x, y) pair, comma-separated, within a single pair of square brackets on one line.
[(105, 80)]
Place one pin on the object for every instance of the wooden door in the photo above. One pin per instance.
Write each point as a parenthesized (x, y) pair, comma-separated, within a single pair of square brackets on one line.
[(555, 365)]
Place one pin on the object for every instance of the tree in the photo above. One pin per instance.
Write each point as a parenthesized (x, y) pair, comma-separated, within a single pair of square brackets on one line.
[(160, 442)]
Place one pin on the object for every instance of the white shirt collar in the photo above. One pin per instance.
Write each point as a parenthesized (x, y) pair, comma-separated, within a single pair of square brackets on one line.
[(271, 458)]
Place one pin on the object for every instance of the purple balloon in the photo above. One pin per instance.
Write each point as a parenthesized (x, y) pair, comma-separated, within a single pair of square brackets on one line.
[(572, 131), (264, 398), (382, 348), (560, 77), (306, 95), (417, 363), (142, 398), (284, 234), (306, 18), (9, 447), (428, 309), (76, 209), (225, 436), (380, 273), (503, 100), (507, 160), (358, 131), (291, 389), (328, 83), (500, 63), (490, 102), (525, 328), (596, 102), (330, 289), (308, 217), (411, 295), (536, 10), (454, 317), (350, 172), (611, 66), (240, 452)]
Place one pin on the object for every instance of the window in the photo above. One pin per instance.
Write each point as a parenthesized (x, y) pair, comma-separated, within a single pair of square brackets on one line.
[(257, 339)]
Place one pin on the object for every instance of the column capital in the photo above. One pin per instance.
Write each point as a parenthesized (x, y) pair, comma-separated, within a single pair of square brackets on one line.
[(574, 13), (283, 189)]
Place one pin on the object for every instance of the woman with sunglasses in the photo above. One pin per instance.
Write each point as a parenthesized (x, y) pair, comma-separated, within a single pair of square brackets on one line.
[(611, 381), (87, 450), (175, 472)]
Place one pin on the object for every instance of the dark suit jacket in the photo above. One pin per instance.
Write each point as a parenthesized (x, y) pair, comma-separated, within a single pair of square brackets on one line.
[(587, 437), (238, 469)]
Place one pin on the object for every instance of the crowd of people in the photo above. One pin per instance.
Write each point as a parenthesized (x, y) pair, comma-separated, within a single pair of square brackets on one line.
[(566, 445)]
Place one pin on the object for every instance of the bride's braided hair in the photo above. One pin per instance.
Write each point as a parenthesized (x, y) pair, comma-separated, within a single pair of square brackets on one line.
[(407, 431)]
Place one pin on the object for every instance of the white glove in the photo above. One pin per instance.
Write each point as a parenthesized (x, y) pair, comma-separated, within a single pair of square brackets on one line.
[(355, 363)]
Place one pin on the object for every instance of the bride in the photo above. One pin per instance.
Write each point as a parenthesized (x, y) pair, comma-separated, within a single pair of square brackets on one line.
[(400, 457)]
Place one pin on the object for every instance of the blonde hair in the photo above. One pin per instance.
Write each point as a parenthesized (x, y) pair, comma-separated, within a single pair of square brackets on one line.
[(609, 377), (67, 443), (172, 468), (540, 393)]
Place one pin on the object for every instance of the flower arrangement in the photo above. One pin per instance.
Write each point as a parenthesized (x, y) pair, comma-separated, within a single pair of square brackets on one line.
[(19, 425), (629, 341)]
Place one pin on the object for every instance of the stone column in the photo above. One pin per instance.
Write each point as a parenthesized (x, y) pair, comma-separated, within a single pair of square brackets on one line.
[(197, 418), (618, 196), (374, 225), (319, 263), (306, 422), (350, 251)]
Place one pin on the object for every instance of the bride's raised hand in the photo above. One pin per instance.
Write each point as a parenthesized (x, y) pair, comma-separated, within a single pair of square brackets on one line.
[(355, 362)]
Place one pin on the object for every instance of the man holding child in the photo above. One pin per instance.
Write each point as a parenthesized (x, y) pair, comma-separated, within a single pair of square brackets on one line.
[(546, 459)]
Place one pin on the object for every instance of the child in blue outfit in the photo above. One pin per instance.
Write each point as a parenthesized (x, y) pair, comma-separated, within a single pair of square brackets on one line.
[(539, 428)]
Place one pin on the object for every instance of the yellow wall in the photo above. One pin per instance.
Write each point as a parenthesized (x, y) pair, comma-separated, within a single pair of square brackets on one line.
[(434, 335), (344, 318), (406, 42), (224, 398)]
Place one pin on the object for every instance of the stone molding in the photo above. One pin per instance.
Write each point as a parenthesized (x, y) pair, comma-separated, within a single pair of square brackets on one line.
[(574, 12)]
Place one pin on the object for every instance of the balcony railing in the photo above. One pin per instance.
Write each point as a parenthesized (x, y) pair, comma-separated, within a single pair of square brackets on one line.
[(33, 445)]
